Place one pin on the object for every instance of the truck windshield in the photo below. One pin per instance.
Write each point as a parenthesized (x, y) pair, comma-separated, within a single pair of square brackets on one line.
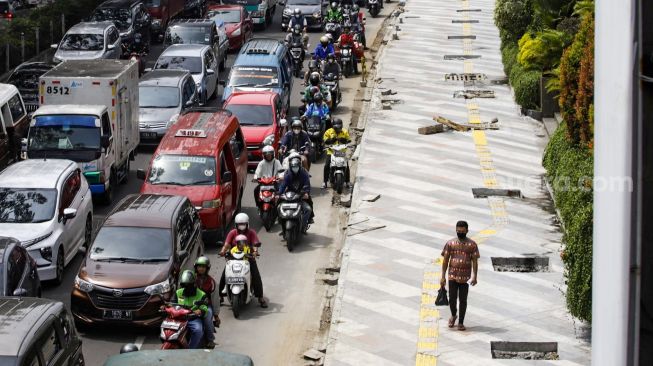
[(183, 170), (158, 97), (64, 132), (29, 205), (227, 16), (248, 76), (192, 64), (82, 42), (121, 17), (252, 115), (188, 35)]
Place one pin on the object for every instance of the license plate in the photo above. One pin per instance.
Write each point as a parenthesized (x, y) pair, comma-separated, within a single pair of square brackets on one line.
[(148, 135), (289, 205), (118, 314), (235, 280), (267, 188), (339, 153)]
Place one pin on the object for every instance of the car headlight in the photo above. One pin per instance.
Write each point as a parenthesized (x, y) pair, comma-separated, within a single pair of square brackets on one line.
[(212, 203), (46, 253), (236, 33), (28, 243), (317, 14), (268, 140), (83, 285), (159, 288)]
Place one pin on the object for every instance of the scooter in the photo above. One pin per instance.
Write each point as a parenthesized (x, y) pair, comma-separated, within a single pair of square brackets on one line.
[(332, 82), (346, 60), (333, 28), (268, 208), (373, 7), (298, 54), (338, 166), (292, 218), (238, 280), (174, 329), (315, 128)]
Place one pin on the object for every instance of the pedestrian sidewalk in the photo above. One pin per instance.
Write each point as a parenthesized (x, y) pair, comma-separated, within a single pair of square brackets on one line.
[(384, 312)]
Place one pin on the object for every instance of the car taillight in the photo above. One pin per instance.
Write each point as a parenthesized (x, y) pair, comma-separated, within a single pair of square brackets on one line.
[(9, 15)]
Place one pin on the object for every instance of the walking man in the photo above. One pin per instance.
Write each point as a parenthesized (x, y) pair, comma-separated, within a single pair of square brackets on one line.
[(461, 259)]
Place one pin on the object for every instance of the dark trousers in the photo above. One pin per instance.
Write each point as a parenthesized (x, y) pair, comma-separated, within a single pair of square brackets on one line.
[(327, 169), (458, 291), (257, 283)]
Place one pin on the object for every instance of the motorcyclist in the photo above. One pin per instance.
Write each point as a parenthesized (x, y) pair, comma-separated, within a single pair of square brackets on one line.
[(331, 66), (266, 168), (358, 22), (323, 49), (334, 14), (206, 283), (296, 179), (335, 134), (296, 32), (297, 139), (241, 247), (187, 295), (347, 39), (315, 82), (313, 66), (317, 108), (298, 19)]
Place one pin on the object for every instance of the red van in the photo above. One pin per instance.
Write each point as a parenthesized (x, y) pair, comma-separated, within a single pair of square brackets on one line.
[(202, 156), (260, 115)]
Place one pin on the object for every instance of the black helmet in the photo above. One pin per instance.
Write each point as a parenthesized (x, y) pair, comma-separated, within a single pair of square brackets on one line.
[(187, 279), (312, 65), (297, 124), (129, 347), (297, 12), (318, 97), (314, 79), (337, 124), (314, 89)]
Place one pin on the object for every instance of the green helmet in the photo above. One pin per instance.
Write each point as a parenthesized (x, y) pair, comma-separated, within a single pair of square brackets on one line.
[(203, 261), (187, 278)]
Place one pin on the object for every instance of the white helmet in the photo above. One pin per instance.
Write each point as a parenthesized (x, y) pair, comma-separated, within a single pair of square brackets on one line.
[(267, 149), (242, 218)]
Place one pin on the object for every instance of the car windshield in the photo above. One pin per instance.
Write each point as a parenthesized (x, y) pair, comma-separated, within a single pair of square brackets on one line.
[(82, 42), (188, 35), (258, 115), (152, 3), (132, 243), (120, 17), (64, 132), (192, 64), (253, 76), (27, 205), (304, 2), (158, 97), (183, 170), (27, 79), (227, 16)]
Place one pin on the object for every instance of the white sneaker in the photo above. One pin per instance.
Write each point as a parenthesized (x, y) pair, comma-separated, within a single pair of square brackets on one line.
[(324, 185)]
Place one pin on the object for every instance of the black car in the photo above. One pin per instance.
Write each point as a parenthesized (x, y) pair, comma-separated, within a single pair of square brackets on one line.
[(18, 271), (38, 332), (26, 78), (130, 17)]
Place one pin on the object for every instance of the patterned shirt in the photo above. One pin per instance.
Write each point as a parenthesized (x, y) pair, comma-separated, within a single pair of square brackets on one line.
[(460, 255)]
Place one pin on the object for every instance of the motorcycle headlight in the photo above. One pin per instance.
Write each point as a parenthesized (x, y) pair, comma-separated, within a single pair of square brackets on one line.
[(159, 288), (268, 140), (236, 33), (83, 285), (212, 203), (237, 267)]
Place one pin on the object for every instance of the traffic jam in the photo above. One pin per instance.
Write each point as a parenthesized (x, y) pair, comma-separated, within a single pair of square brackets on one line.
[(216, 114)]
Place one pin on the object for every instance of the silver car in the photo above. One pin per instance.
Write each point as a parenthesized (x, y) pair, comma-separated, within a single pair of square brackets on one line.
[(46, 204), (89, 41), (162, 96), (199, 60)]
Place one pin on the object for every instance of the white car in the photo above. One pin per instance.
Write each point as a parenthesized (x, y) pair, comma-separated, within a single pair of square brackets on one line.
[(46, 204), (199, 60)]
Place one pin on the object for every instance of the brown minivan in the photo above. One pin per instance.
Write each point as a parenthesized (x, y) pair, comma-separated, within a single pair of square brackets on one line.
[(14, 121), (135, 260)]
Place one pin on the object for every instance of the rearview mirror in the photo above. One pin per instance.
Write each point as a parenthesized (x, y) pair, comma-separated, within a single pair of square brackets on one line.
[(111, 47), (226, 177), (189, 103), (283, 122), (182, 254), (20, 292), (140, 174), (105, 141), (69, 213)]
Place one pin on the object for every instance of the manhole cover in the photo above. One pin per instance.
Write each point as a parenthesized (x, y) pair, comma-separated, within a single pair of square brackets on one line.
[(524, 350), (460, 57), (520, 264), (461, 37), (487, 192)]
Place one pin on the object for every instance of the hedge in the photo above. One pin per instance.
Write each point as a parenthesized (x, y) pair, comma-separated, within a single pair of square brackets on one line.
[(526, 84), (570, 169), (512, 17)]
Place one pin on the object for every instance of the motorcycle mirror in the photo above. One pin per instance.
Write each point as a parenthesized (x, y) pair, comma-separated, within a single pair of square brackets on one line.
[(283, 122)]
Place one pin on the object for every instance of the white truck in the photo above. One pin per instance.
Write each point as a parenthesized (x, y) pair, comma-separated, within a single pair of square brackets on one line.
[(89, 114)]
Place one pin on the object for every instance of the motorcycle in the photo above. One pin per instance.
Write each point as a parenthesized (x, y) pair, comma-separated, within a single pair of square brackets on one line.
[(346, 60), (332, 82), (338, 166), (333, 28), (238, 280), (267, 210), (292, 218), (373, 7), (298, 54), (136, 52), (315, 128), (174, 329)]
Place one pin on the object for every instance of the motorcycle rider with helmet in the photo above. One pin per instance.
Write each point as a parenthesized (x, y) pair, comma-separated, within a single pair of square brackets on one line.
[(297, 139), (312, 67), (358, 23), (318, 108), (187, 295), (298, 19), (242, 227), (266, 168), (296, 32), (347, 39), (206, 283), (331, 66), (315, 80), (334, 14), (297, 180), (323, 49), (335, 134)]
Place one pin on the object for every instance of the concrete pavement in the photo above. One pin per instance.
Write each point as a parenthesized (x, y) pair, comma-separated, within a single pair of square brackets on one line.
[(391, 264)]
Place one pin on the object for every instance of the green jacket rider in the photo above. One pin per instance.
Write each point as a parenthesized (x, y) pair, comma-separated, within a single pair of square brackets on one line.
[(334, 14)]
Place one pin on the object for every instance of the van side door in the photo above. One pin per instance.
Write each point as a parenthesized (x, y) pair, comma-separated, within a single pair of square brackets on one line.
[(4, 146)]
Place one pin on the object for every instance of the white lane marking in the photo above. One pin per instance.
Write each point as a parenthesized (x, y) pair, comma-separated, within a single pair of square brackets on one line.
[(383, 284), (139, 341)]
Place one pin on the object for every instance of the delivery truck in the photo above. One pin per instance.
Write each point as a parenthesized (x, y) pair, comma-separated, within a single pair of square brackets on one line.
[(89, 114)]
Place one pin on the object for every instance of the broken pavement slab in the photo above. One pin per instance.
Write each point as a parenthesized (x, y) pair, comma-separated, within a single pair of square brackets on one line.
[(313, 355)]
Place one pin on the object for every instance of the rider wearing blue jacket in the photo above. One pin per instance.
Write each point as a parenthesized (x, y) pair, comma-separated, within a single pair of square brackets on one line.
[(297, 180), (323, 49), (317, 108)]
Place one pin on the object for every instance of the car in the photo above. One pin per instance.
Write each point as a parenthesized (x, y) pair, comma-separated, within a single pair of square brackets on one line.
[(194, 9), (199, 31), (130, 16), (196, 58), (261, 11), (25, 77), (14, 124), (162, 12), (263, 64), (6, 12), (260, 115), (89, 41), (203, 157), (312, 10), (239, 26), (38, 332), (175, 357), (18, 273), (46, 204), (135, 260), (162, 96)]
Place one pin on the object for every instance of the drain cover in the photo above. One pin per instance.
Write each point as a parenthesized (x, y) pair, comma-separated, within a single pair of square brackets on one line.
[(520, 264), (524, 350), (464, 77), (461, 37), (486, 192), (460, 57), (470, 94), (465, 21)]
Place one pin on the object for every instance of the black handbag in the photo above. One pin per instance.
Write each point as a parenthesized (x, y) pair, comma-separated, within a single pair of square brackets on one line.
[(442, 299)]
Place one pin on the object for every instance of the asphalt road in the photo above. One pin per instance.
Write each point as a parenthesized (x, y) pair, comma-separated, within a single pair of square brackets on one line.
[(279, 334)]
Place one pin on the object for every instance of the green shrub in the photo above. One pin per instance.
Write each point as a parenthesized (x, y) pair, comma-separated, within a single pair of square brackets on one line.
[(509, 51), (512, 17), (542, 50), (570, 169), (526, 85)]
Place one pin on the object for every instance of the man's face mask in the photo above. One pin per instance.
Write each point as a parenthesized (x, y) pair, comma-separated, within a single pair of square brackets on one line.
[(296, 131), (295, 169), (242, 227)]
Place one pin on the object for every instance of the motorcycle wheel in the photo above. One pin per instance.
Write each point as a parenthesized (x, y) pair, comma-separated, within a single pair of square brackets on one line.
[(235, 305), (291, 239), (268, 219), (347, 70), (314, 155), (338, 183)]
